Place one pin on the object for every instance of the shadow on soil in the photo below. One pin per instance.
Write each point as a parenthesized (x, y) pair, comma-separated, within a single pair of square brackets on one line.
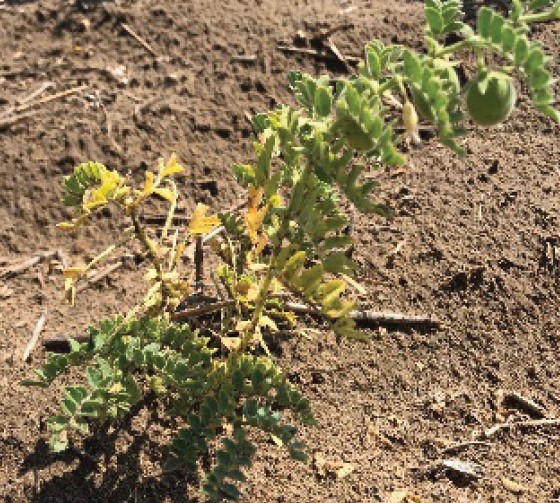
[(98, 478)]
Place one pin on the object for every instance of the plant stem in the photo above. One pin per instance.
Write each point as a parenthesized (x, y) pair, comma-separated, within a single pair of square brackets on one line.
[(541, 17), (264, 287), (152, 253), (456, 47)]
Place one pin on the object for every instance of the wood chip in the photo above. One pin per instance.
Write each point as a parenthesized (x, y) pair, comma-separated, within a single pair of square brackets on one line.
[(403, 496), (334, 469), (463, 467), (512, 486), (398, 496), (35, 336), (345, 470), (5, 292)]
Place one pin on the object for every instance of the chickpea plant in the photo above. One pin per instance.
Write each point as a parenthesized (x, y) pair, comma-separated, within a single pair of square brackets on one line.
[(220, 383)]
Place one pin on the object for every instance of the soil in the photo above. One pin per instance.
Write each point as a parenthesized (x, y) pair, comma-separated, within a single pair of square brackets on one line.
[(467, 245)]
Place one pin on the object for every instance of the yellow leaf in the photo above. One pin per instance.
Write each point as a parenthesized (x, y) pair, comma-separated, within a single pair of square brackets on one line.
[(255, 196), (179, 253), (261, 243), (69, 291), (66, 226), (73, 273), (167, 194), (254, 216), (253, 292), (151, 274), (256, 267), (122, 192), (266, 321), (242, 287), (201, 224), (149, 184), (170, 168), (253, 220), (230, 343), (93, 199), (242, 326)]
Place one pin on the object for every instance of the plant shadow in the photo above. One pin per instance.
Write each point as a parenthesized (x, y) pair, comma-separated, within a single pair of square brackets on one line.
[(102, 470)]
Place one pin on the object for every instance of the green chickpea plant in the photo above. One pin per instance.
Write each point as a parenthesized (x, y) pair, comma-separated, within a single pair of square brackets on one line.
[(219, 385)]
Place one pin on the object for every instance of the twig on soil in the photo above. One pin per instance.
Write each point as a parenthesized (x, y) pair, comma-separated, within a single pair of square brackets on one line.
[(366, 317), (6, 121), (463, 445), (527, 404), (35, 336), (14, 269), (315, 53), (533, 423), (328, 32), (244, 58), (369, 317), (103, 273), (22, 101), (62, 258), (334, 49), (139, 39), (42, 88), (10, 121), (48, 99), (351, 281)]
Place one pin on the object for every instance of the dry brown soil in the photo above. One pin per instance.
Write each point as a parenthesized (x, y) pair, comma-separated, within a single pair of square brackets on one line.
[(470, 235)]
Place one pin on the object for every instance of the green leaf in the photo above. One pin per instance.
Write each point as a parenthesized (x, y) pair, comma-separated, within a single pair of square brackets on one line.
[(535, 60), (521, 51), (540, 79), (434, 20), (237, 475), (250, 408), (57, 443), (508, 38), (412, 66), (75, 346), (223, 401), (68, 406), (496, 29), (338, 263), (298, 455), (82, 426), (171, 464), (238, 379), (91, 408), (244, 173), (57, 423), (223, 458), (373, 63), (230, 492), (484, 22), (29, 383), (323, 102)]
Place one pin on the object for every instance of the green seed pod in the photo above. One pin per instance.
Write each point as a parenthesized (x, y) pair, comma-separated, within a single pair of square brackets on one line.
[(491, 97)]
